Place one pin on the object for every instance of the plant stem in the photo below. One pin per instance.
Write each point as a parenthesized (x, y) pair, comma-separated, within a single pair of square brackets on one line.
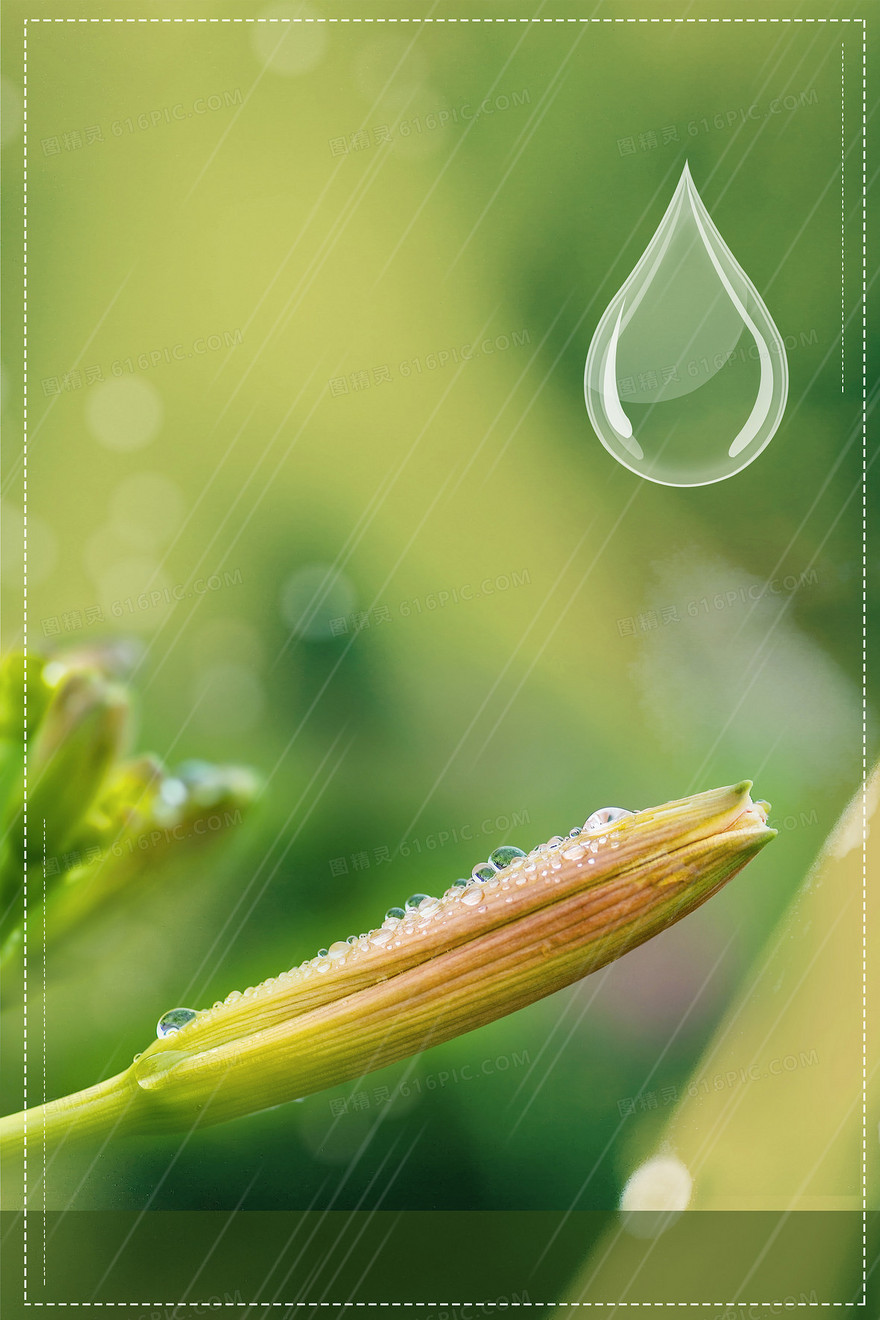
[(108, 1106)]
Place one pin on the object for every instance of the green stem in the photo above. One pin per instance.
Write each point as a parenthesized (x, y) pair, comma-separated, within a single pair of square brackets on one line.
[(96, 1111)]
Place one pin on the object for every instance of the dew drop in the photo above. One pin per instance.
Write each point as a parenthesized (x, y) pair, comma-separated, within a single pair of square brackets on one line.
[(484, 871), (322, 953), (412, 903), (606, 816), (338, 950), (505, 855), (395, 913), (472, 896), (686, 377), (459, 884), (173, 1020)]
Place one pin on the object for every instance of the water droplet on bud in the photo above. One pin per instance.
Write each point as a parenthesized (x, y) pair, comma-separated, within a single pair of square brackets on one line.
[(173, 1020), (505, 855), (605, 816)]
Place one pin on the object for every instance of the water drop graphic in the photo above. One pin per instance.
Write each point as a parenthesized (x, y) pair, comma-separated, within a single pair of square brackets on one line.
[(686, 376)]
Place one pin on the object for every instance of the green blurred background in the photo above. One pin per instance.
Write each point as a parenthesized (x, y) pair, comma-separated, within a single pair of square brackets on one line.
[(306, 338)]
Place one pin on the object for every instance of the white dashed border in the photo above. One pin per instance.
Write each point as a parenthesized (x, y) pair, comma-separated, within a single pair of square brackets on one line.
[(341, 1304)]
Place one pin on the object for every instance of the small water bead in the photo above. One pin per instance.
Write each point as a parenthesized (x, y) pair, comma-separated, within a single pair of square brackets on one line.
[(173, 1020), (472, 896), (505, 855), (428, 906), (353, 939), (412, 903), (555, 841), (394, 913), (338, 950), (484, 871), (322, 953), (572, 834), (380, 937), (606, 816), (460, 884)]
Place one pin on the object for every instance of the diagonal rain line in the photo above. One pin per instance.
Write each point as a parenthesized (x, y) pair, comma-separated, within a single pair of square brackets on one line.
[(660, 189), (230, 511), (496, 683), (559, 619), (600, 980), (331, 237), (111, 304), (112, 1130), (144, 656), (656, 1064), (219, 1238), (303, 820), (579, 992), (571, 599), (16, 466), (376, 1254), (363, 186), (387, 483), (787, 1213), (831, 471), (574, 331), (234, 120), (736, 1099), (336, 230), (525, 137), (853, 148), (388, 578), (783, 1219), (456, 149), (323, 1215), (312, 1282), (549, 95), (307, 1282), (368, 515), (145, 1209), (335, 567), (780, 615), (385, 488), (203, 491), (291, 1239)]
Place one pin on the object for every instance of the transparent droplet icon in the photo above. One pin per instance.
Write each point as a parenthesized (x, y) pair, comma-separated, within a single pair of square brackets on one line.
[(686, 376)]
